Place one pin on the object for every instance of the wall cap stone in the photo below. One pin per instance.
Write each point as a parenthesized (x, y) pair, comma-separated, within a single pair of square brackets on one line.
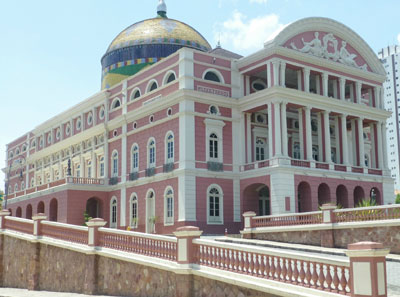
[(5, 212), (39, 216), (249, 214), (97, 222), (188, 231)]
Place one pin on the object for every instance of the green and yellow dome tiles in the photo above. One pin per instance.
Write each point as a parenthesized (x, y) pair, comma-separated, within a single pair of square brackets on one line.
[(145, 43)]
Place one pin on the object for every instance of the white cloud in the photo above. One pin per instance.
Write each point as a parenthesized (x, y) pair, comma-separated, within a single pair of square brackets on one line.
[(398, 38), (247, 35), (258, 1)]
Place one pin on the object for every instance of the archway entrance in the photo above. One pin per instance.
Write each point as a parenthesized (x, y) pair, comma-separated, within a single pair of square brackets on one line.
[(375, 194), (53, 210), (93, 208), (264, 206), (304, 197), (324, 194), (358, 195), (342, 196), (18, 213), (150, 212)]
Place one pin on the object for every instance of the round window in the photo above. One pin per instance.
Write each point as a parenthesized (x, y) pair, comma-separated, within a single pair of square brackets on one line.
[(78, 124), (68, 129), (260, 119), (102, 113), (151, 119), (213, 109), (115, 133), (169, 112), (58, 134), (90, 119), (134, 125), (258, 86)]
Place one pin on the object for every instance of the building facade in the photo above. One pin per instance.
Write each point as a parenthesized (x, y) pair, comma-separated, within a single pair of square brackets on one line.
[(200, 136), (390, 58)]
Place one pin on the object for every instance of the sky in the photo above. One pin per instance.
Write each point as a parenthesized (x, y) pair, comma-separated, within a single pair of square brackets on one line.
[(50, 50)]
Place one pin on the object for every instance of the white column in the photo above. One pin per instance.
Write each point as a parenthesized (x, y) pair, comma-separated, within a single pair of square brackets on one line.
[(270, 141), (353, 142), (370, 97), (94, 114), (269, 80), (327, 129), (325, 77), (307, 110), (277, 129), (337, 139), (358, 91), (122, 216), (283, 74), (106, 155), (186, 69), (299, 86), (361, 141), (248, 139), (71, 124), (83, 122), (372, 163), (301, 133), (380, 144), (186, 135), (342, 82), (344, 139), (284, 130), (306, 75), (94, 164), (247, 84), (275, 65), (61, 132), (384, 146), (320, 144)]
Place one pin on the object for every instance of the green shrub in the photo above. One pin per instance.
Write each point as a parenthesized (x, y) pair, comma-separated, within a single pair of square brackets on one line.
[(397, 199)]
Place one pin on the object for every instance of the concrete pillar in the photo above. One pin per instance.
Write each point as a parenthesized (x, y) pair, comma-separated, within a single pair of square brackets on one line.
[(384, 146), (301, 133), (275, 66), (37, 219), (358, 91), (328, 217), (270, 132), (186, 249), (373, 160), (320, 140), (328, 157), (269, 79), (93, 234), (3, 214), (248, 221), (367, 269)]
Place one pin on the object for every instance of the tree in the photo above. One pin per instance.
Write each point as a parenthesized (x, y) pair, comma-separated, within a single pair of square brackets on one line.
[(397, 199), (1, 199)]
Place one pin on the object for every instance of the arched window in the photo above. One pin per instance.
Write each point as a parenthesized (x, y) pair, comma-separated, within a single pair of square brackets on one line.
[(17, 150), (152, 85), (135, 158), (214, 205), (315, 153), (9, 189), (113, 213), (213, 142), (169, 148), (169, 77), (32, 182), (114, 170), (258, 85), (169, 207), (134, 211), (16, 188), (22, 185), (135, 94), (151, 153), (101, 166), (115, 104), (260, 149), (366, 160), (212, 76)]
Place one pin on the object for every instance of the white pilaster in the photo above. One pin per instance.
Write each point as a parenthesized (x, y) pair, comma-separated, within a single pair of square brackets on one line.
[(236, 200), (275, 65), (248, 139), (187, 198), (186, 69), (282, 186), (186, 135), (106, 155), (122, 216), (384, 146), (269, 80), (124, 159), (327, 129), (373, 139), (247, 85), (337, 139), (237, 136), (353, 142)]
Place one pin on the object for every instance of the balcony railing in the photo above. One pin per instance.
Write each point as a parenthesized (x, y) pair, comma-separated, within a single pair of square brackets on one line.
[(133, 176), (215, 166), (150, 171), (168, 167), (300, 163)]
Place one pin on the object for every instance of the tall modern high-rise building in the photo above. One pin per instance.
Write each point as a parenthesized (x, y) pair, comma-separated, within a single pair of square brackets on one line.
[(390, 57)]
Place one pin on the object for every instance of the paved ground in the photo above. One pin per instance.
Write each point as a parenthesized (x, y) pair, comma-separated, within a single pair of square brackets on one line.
[(7, 292)]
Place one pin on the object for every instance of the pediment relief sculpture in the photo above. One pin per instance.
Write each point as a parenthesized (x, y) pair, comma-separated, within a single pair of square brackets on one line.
[(328, 48)]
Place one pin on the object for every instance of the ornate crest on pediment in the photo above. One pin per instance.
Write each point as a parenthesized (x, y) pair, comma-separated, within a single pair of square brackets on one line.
[(328, 48)]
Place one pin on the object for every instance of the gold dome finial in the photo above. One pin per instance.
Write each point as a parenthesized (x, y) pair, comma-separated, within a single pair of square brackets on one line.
[(162, 9)]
